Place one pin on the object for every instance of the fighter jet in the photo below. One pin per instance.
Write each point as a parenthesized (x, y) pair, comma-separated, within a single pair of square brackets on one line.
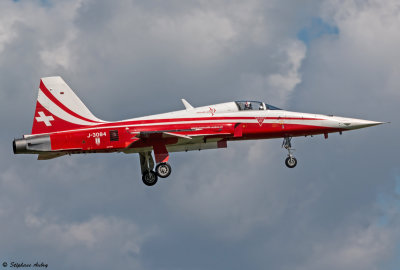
[(63, 125)]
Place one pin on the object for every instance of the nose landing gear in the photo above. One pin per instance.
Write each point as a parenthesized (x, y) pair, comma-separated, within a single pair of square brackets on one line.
[(290, 161)]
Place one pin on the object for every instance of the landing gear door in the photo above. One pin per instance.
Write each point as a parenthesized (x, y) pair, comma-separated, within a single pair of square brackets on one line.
[(238, 132)]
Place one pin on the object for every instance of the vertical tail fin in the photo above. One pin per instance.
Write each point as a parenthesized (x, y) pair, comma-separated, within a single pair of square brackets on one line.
[(58, 108)]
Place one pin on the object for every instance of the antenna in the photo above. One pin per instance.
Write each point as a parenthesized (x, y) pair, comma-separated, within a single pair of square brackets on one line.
[(187, 105)]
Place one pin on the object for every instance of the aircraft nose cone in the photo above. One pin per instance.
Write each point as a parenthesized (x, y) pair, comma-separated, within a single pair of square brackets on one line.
[(350, 123)]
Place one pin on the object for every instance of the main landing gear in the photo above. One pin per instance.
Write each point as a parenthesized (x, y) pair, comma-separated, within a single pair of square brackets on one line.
[(290, 161), (149, 176), (163, 169)]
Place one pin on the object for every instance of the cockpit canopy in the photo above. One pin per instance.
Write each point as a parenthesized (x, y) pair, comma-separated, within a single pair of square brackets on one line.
[(254, 105)]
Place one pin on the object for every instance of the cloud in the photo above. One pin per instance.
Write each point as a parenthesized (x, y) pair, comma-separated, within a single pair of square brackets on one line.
[(96, 233), (362, 248), (278, 86), (361, 57), (316, 30), (287, 82)]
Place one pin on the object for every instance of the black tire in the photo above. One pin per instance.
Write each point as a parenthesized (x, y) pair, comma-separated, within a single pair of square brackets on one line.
[(291, 162), (149, 178), (163, 170)]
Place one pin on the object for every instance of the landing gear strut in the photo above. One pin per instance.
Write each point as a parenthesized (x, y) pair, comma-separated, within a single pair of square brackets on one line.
[(149, 176), (290, 161)]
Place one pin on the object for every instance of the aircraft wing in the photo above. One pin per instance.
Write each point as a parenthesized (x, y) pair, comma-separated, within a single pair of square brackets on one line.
[(188, 135), (161, 134)]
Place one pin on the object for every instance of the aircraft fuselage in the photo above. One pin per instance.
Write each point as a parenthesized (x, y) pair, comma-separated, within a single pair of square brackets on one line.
[(63, 125)]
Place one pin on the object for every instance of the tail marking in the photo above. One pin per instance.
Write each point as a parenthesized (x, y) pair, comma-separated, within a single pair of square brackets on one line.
[(58, 108), (45, 119)]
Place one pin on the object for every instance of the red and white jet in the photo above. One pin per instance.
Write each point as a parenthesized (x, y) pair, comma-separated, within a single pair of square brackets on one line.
[(63, 125)]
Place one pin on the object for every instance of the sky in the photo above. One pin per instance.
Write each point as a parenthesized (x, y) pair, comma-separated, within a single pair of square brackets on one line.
[(236, 208)]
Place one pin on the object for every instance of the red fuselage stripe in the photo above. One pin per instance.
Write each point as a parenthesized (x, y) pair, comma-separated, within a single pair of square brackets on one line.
[(161, 124), (210, 119)]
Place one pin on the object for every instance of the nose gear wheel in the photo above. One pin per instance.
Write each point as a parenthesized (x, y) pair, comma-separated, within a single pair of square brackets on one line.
[(290, 161)]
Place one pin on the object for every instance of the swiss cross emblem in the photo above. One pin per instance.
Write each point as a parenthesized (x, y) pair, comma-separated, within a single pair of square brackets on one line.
[(260, 120), (46, 119)]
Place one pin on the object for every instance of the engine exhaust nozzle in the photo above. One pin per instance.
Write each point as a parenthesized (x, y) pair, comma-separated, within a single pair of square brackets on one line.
[(20, 146), (32, 145)]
